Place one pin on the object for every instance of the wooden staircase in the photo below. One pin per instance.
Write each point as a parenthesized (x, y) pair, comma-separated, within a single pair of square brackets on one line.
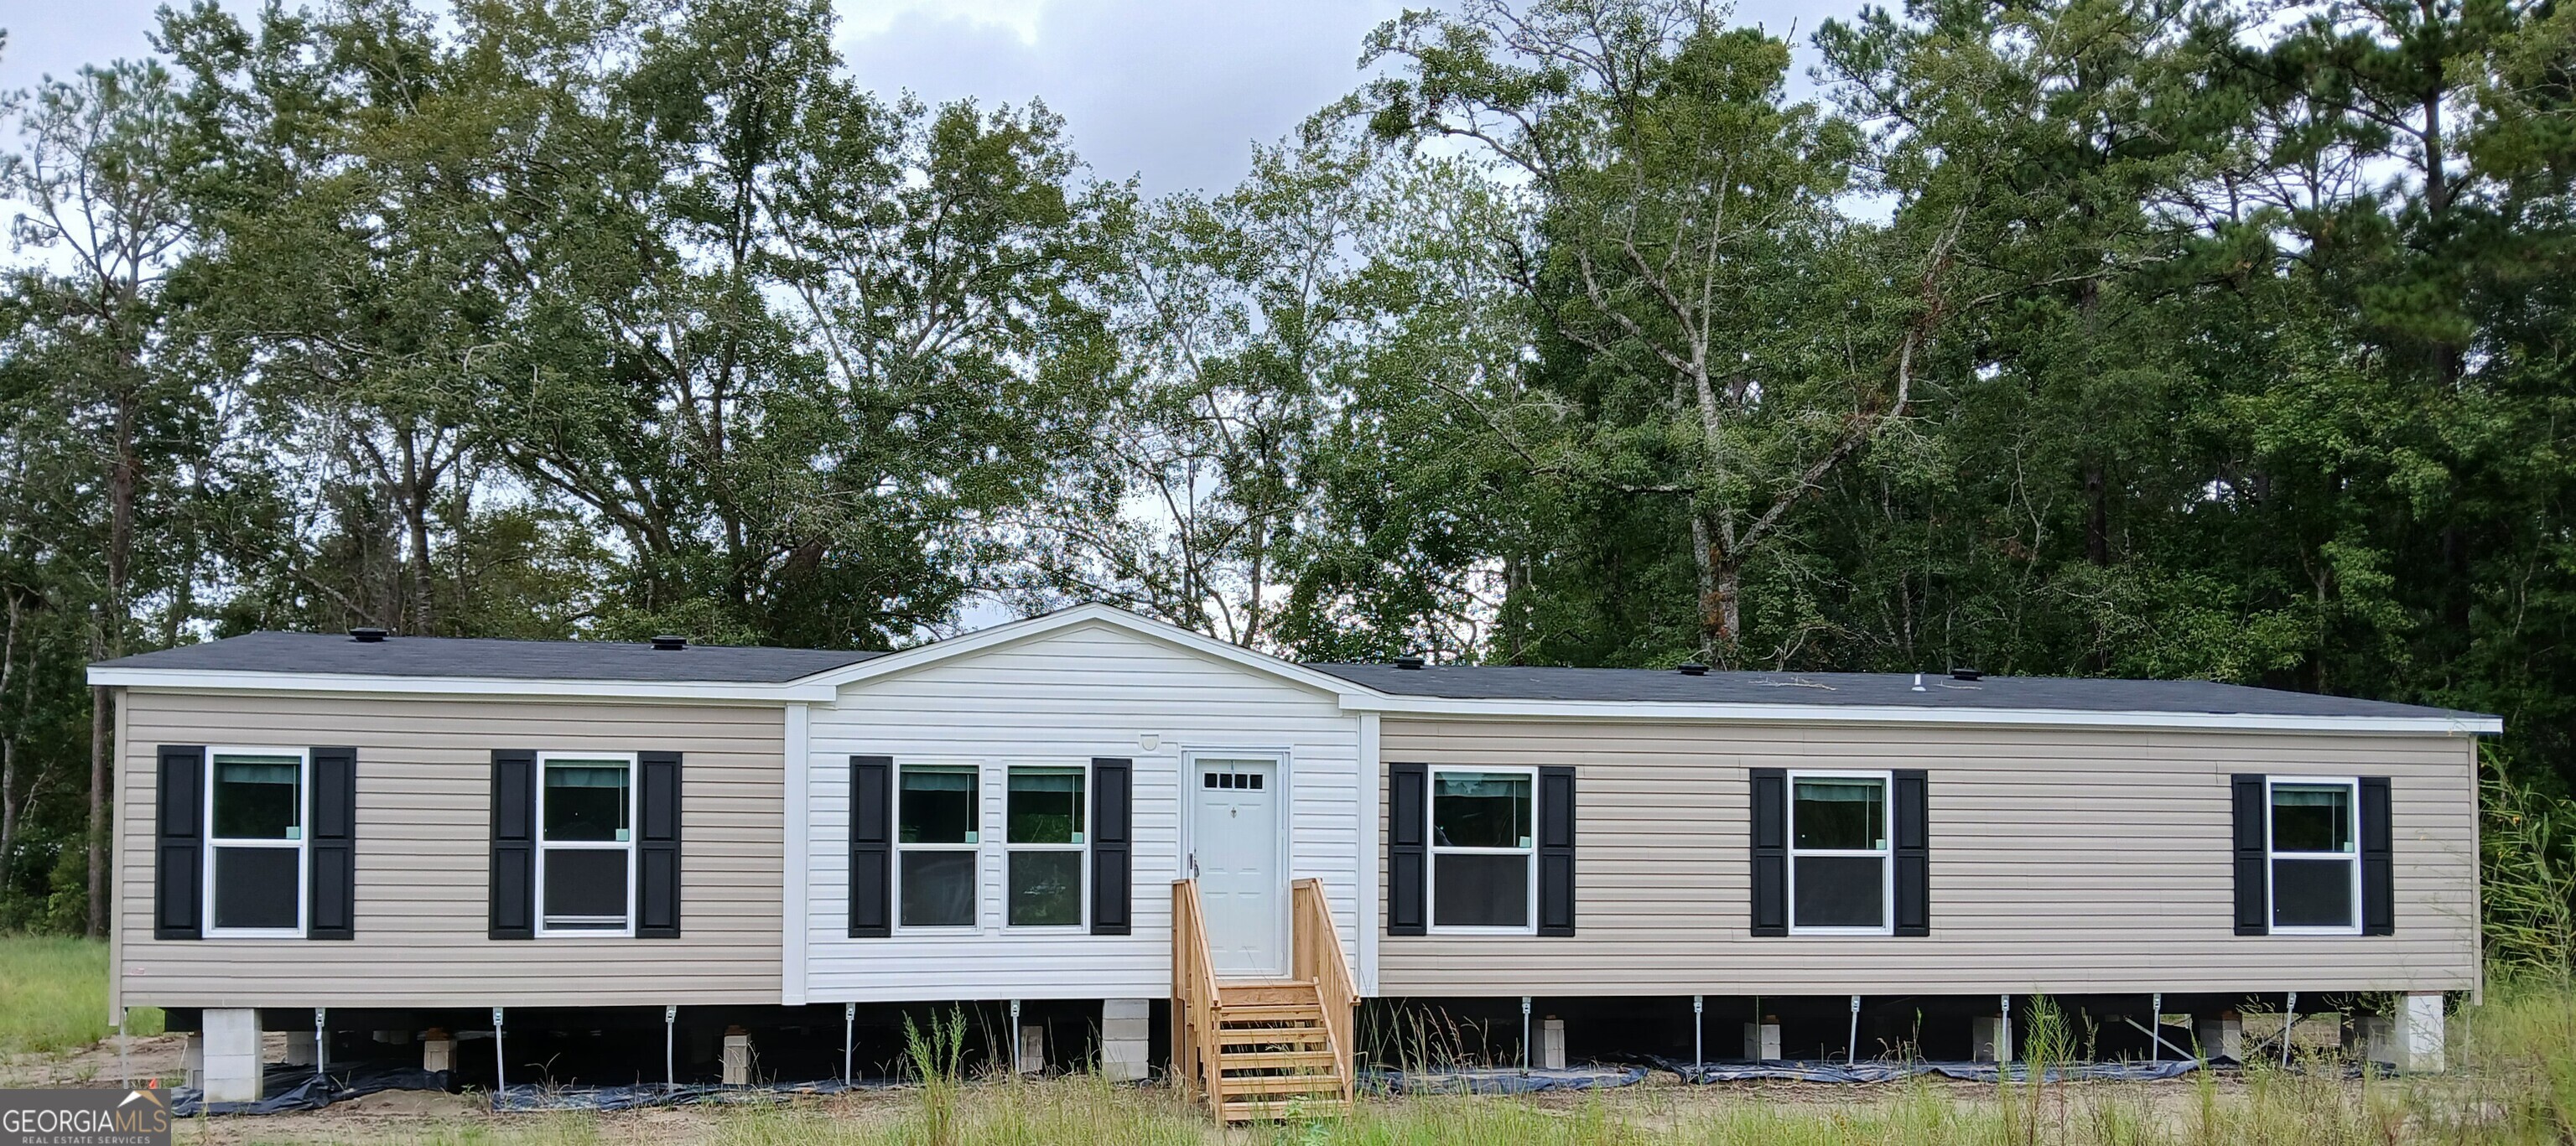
[(1263, 1049)]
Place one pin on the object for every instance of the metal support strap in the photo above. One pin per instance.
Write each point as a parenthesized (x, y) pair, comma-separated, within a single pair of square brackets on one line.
[(670, 1039), (500, 1061), (1698, 1028), (1851, 1045), (321, 1042), (2156, 1025), (849, 1024), (1525, 1034), (2289, 1018)]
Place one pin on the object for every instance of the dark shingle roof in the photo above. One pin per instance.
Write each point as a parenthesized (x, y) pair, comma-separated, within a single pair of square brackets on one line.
[(483, 657), (2069, 694)]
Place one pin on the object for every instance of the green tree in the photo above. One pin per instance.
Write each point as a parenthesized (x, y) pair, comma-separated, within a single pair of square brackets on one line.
[(1732, 339)]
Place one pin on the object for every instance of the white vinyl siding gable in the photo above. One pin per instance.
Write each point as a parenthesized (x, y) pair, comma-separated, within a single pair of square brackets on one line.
[(1060, 700)]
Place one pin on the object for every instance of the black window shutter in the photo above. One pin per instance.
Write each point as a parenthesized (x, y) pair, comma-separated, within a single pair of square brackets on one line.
[(1556, 850), (1111, 847), (1770, 851), (657, 846), (514, 844), (333, 850), (871, 847), (2378, 859), (1913, 853), (1407, 860), (2253, 860), (179, 855)]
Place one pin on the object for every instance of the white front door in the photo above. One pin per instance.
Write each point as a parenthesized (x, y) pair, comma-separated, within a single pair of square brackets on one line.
[(1234, 847)]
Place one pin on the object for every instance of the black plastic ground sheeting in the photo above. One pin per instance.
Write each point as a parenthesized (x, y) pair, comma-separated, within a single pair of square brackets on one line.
[(1799, 1070), (529, 1098), (291, 1088), (1498, 1080)]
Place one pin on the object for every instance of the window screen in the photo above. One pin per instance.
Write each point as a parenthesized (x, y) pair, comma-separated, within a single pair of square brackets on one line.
[(257, 887)]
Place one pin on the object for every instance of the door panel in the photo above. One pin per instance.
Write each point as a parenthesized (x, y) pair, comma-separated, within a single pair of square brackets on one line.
[(1235, 841)]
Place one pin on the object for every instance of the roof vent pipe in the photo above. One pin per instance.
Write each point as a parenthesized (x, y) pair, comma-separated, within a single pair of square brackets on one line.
[(1408, 662), (1966, 674), (367, 635), (1691, 668), (666, 643), (1918, 682)]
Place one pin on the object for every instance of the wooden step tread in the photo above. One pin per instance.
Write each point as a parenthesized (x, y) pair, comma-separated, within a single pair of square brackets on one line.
[(1241, 1012), (1266, 1060), (1272, 1037), (1290, 995), (1274, 1111), (1283, 1084)]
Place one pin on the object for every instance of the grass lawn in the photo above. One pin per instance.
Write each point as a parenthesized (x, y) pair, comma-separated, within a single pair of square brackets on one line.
[(53, 995), (2513, 1084)]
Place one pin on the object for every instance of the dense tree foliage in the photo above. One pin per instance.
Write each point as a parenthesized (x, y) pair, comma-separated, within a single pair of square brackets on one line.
[(2134, 337)]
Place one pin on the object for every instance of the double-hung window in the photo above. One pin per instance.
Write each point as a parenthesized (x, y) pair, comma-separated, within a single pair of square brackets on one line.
[(1482, 874), (1042, 817), (2315, 855), (585, 844), (936, 812), (1840, 880), (256, 874)]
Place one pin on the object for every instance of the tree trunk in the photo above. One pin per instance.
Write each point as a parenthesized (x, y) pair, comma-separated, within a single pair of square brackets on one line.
[(1721, 617), (124, 477), (9, 803), (416, 525), (2097, 521), (99, 701)]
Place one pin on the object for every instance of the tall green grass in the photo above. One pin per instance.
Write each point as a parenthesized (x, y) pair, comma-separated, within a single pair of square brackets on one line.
[(2512, 1083), (53, 995)]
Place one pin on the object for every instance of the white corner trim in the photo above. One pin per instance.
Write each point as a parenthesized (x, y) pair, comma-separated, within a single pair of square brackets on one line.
[(920, 656), (794, 936), (1372, 772), (1903, 714), (201, 680)]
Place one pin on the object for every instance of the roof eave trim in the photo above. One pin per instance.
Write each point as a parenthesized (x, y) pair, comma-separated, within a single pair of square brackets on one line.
[(203, 680), (920, 656), (1900, 714)]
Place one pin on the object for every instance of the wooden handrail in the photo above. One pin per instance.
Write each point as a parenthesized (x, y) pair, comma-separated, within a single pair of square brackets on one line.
[(1318, 956), (1194, 996)]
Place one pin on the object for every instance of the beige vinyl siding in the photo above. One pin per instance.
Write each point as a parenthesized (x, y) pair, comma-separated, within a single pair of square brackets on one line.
[(423, 857), (2062, 860)]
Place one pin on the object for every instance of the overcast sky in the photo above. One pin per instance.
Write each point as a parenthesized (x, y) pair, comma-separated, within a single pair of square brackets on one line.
[(1176, 91)]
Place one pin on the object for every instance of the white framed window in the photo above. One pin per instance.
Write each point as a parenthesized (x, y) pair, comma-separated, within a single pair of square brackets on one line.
[(1484, 874), (2313, 834), (937, 809), (1841, 879), (1045, 859), (585, 843), (257, 882)]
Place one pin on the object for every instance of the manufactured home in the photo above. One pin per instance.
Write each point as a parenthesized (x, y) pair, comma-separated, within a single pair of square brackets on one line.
[(1158, 849)]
